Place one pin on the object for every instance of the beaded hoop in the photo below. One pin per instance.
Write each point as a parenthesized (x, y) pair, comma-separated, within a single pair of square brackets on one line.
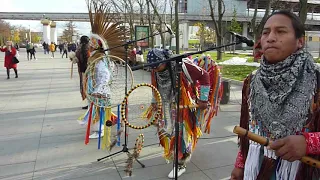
[(139, 144), (158, 103)]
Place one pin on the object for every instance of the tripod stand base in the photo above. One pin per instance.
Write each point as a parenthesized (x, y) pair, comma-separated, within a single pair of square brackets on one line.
[(124, 150), (142, 165), (110, 155)]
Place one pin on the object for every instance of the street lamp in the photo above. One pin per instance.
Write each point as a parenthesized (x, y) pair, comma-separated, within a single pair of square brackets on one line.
[(177, 25), (29, 34)]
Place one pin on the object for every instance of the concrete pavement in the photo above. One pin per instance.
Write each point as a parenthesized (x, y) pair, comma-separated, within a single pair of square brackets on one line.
[(41, 140)]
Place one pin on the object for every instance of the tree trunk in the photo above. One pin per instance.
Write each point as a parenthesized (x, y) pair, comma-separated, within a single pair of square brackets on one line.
[(150, 25), (257, 28), (303, 10), (160, 23), (131, 19), (176, 20), (141, 12), (171, 20)]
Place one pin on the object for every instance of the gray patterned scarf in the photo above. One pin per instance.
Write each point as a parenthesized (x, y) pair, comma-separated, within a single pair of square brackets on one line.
[(281, 94)]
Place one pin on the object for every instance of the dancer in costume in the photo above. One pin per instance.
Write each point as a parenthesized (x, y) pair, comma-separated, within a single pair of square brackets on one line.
[(280, 101), (163, 78), (97, 84), (98, 74)]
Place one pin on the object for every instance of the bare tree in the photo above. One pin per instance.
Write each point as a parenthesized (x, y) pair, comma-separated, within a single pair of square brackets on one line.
[(150, 24), (159, 27), (142, 5), (303, 10), (257, 27), (217, 23), (5, 32), (69, 31)]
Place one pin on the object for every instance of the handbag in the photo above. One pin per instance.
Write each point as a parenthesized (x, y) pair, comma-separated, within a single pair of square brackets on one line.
[(15, 60)]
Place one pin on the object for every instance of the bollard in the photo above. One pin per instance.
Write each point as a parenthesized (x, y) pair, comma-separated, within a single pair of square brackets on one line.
[(226, 92)]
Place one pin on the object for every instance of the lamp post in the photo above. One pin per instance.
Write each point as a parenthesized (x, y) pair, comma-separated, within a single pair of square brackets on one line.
[(12, 33), (29, 34), (177, 25)]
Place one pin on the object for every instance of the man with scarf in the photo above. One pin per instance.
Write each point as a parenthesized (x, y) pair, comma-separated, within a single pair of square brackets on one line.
[(163, 77), (280, 101)]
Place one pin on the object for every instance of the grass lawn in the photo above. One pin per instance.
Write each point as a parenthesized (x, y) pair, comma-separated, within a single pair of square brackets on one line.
[(236, 72), (225, 56)]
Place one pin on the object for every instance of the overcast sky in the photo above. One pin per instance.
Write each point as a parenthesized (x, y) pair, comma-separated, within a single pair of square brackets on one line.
[(46, 6)]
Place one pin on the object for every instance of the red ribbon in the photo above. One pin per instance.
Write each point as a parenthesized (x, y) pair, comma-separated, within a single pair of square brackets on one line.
[(86, 141)]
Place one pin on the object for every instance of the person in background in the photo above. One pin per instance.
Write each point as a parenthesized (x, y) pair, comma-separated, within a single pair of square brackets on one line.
[(83, 53), (28, 50), (32, 52), (73, 47), (45, 47), (61, 48), (10, 53), (65, 49), (52, 48), (55, 46), (17, 46)]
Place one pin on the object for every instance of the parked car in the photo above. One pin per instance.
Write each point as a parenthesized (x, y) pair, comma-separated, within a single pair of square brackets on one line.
[(38, 45), (22, 45)]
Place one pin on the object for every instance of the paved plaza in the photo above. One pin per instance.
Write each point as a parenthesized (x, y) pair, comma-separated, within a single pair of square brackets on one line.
[(40, 138)]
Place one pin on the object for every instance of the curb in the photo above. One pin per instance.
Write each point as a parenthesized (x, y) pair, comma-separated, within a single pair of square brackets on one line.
[(234, 82)]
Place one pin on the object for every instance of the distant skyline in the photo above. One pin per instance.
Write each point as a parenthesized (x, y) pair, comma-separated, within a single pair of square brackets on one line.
[(46, 6)]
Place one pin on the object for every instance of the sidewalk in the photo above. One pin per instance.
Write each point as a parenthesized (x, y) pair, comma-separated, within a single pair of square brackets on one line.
[(41, 140)]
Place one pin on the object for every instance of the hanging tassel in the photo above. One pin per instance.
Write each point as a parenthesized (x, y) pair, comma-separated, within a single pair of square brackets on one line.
[(104, 138), (251, 169), (287, 170), (107, 126), (89, 124), (100, 125)]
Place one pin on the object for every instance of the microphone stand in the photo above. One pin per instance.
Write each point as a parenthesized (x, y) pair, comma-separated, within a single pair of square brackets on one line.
[(177, 92), (134, 68), (125, 148)]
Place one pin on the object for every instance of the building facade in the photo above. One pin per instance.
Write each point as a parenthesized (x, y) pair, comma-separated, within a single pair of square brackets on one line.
[(201, 7)]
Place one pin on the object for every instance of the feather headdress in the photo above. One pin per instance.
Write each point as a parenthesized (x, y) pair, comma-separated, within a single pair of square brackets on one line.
[(106, 31)]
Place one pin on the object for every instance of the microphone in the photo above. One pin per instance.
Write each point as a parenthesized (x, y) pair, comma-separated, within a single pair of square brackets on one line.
[(169, 30), (243, 39)]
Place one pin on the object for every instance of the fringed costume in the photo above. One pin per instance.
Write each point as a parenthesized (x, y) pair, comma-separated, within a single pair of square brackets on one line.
[(196, 86), (216, 89), (279, 100), (98, 75)]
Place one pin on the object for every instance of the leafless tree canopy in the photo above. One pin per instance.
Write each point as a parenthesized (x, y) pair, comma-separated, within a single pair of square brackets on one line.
[(104, 24), (5, 32)]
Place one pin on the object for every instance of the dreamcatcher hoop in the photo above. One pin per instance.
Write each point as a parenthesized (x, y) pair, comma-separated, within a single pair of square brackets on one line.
[(123, 63), (91, 65), (158, 104)]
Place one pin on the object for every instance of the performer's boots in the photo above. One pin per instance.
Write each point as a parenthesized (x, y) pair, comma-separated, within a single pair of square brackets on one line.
[(95, 135), (181, 170)]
